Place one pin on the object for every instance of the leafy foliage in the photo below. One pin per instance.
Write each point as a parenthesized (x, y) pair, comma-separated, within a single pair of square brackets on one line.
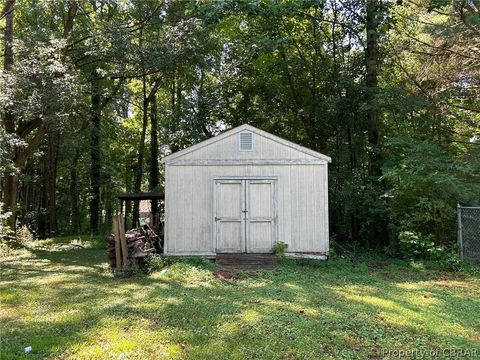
[(414, 246), (279, 248), (42, 85), (426, 183), (295, 68), (6, 233)]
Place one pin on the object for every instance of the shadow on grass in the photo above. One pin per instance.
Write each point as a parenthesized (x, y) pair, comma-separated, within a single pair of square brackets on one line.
[(67, 304)]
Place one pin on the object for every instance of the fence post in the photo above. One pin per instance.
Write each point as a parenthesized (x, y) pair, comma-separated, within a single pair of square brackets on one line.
[(460, 232)]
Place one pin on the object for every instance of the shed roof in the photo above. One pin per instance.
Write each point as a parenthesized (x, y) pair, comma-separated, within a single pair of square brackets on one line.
[(246, 127), (141, 196)]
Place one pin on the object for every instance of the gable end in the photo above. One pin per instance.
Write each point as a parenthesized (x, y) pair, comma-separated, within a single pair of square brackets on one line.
[(245, 136)]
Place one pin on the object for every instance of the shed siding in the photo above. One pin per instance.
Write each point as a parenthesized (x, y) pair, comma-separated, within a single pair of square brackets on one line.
[(302, 201)]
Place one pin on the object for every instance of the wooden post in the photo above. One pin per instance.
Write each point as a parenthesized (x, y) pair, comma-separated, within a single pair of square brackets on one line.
[(460, 231), (123, 241), (118, 252), (127, 204)]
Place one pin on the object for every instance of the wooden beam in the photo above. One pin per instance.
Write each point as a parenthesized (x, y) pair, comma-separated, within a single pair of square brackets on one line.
[(123, 241), (141, 196), (243, 162), (118, 252)]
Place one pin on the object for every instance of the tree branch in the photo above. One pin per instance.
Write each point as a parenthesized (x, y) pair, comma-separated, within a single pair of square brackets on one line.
[(156, 85), (33, 145), (26, 128), (112, 94), (7, 9)]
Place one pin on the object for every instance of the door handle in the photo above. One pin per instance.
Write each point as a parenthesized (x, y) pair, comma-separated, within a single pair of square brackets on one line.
[(244, 211), (217, 218)]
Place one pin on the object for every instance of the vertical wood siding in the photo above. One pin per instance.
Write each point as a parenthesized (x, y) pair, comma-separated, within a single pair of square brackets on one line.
[(302, 203)]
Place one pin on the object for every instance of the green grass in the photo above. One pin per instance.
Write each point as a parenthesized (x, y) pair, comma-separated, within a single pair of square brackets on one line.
[(65, 304)]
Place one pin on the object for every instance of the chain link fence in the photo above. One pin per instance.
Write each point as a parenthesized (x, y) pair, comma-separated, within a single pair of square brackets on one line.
[(469, 233)]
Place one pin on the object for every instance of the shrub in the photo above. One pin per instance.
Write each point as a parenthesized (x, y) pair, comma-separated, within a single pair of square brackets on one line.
[(24, 236), (332, 253), (279, 248), (155, 263), (6, 233), (425, 181), (7, 237), (413, 245), (134, 269), (451, 261)]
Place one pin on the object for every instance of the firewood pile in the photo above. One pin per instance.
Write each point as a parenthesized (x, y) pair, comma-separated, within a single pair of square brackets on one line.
[(140, 243)]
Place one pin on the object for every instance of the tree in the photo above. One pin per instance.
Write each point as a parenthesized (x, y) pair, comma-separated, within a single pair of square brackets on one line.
[(30, 106), (9, 188), (93, 93), (371, 81)]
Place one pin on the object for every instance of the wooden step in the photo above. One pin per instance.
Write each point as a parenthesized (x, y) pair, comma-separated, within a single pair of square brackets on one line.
[(245, 262), (246, 259), (245, 255)]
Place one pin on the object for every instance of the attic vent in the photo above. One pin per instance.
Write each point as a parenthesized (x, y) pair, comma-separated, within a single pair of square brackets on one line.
[(246, 141)]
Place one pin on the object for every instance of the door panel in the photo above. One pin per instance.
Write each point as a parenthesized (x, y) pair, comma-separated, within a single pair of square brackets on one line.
[(230, 228), (245, 215), (260, 236), (230, 235), (260, 204), (260, 200)]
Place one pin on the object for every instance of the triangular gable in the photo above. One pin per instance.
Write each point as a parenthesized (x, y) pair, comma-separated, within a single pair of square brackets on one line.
[(239, 129)]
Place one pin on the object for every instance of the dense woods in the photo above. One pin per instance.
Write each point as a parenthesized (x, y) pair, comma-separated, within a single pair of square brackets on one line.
[(94, 92)]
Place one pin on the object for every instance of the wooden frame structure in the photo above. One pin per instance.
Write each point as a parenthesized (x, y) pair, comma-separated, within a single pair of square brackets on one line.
[(137, 197)]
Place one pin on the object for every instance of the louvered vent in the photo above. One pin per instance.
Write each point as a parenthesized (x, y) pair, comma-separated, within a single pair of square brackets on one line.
[(246, 141)]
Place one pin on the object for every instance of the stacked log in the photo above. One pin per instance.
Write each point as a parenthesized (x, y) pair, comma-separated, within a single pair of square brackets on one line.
[(140, 243)]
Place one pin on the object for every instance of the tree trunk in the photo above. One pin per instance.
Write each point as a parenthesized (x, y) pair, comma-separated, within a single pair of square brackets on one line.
[(137, 183), (178, 99), (371, 81), (43, 203), (95, 159), (52, 157), (154, 167), (74, 213), (53, 139), (10, 190), (9, 121), (10, 182), (354, 213), (20, 156), (108, 203), (311, 122), (380, 234)]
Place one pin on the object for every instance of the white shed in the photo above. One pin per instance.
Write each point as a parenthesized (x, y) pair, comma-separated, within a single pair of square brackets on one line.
[(241, 192)]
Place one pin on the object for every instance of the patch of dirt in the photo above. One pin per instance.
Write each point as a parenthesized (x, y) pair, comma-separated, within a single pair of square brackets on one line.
[(224, 275)]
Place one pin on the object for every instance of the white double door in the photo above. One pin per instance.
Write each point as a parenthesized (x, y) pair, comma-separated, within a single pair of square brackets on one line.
[(245, 215)]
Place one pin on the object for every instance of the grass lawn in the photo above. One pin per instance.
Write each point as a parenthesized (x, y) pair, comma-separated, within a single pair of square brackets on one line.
[(65, 304)]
